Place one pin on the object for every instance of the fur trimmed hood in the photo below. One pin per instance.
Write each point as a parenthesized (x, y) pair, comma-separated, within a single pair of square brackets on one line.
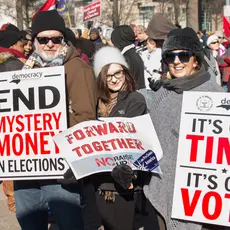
[(4, 57), (107, 55)]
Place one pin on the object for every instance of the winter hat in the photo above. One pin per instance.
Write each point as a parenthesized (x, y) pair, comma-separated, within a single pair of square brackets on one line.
[(47, 20), (158, 27), (9, 38), (182, 39), (211, 39), (70, 36), (107, 55), (123, 36), (94, 30), (26, 35)]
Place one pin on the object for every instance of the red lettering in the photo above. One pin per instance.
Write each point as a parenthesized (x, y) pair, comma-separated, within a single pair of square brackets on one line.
[(89, 131), (37, 122), (5, 146), (57, 119), (122, 127), (31, 143), (57, 151), (20, 123), (77, 150), (209, 150), (122, 144), (87, 149), (105, 145), (2, 124), (194, 145), (97, 146), (131, 127), (130, 143), (101, 129), (110, 161), (112, 128), (100, 162), (17, 141), (138, 144), (44, 142), (79, 135), (223, 146), (189, 207), (111, 141), (28, 116), (10, 122), (47, 118), (105, 161), (218, 206)]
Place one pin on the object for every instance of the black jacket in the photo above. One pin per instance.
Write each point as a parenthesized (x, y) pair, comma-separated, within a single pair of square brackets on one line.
[(123, 36), (9, 63)]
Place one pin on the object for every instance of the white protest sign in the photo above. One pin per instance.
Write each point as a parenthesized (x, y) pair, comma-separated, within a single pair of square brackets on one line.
[(202, 183), (98, 146), (32, 110)]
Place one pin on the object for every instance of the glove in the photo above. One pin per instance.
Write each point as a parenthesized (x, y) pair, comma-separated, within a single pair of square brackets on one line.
[(69, 178), (123, 175), (155, 85)]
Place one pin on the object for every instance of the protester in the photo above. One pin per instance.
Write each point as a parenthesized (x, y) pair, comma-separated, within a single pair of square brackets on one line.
[(94, 36), (62, 196), (141, 37), (78, 33), (119, 195), (123, 38), (28, 45), (183, 54)]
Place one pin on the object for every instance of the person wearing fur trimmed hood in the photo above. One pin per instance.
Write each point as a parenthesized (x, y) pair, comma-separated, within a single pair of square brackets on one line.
[(120, 201), (11, 59), (183, 54), (11, 51)]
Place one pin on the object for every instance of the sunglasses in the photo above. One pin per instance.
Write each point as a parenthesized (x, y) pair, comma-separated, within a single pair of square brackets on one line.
[(184, 56), (117, 75), (45, 40), (216, 42)]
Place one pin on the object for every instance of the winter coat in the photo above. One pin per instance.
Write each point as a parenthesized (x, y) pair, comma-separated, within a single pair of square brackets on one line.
[(152, 61), (123, 38), (165, 112), (80, 88)]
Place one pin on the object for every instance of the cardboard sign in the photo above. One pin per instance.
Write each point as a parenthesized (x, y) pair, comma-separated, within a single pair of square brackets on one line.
[(98, 146), (32, 110), (92, 11), (202, 183)]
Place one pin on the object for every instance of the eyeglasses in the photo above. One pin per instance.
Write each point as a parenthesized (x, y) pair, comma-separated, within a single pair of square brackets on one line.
[(184, 56), (216, 42), (117, 75), (45, 40)]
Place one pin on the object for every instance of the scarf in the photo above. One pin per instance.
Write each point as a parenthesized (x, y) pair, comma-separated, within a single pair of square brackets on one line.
[(36, 60), (179, 85), (104, 109)]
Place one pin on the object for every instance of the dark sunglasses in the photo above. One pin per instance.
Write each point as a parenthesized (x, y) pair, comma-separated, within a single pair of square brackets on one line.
[(184, 56), (216, 42), (45, 40)]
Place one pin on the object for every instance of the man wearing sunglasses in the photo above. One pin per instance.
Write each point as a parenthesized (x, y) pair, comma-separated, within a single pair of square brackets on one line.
[(62, 196), (183, 54)]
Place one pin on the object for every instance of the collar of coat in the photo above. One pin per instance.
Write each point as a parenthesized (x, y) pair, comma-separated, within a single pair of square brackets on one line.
[(179, 85)]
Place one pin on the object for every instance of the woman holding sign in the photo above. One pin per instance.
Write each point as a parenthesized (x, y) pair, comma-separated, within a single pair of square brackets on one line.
[(119, 195)]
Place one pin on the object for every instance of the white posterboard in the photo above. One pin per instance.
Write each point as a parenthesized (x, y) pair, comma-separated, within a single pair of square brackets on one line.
[(98, 146), (202, 183), (32, 110)]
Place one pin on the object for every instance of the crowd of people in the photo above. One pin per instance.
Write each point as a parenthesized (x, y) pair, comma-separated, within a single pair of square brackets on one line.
[(126, 71)]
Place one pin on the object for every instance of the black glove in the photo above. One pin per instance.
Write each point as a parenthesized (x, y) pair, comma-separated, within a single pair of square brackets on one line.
[(123, 175), (155, 85), (69, 178)]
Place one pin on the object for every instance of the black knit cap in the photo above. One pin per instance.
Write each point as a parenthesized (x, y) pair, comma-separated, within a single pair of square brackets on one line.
[(47, 20), (9, 38), (182, 39)]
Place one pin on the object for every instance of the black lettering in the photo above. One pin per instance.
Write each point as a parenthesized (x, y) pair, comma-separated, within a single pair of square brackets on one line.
[(212, 181), (4, 100), (42, 97)]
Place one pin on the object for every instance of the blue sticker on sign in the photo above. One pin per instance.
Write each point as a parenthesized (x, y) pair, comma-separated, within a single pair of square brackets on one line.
[(148, 161)]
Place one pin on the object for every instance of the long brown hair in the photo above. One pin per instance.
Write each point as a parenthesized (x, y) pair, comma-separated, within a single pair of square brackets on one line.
[(103, 91)]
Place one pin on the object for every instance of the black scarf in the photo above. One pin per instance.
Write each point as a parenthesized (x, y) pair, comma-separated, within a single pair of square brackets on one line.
[(187, 83)]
